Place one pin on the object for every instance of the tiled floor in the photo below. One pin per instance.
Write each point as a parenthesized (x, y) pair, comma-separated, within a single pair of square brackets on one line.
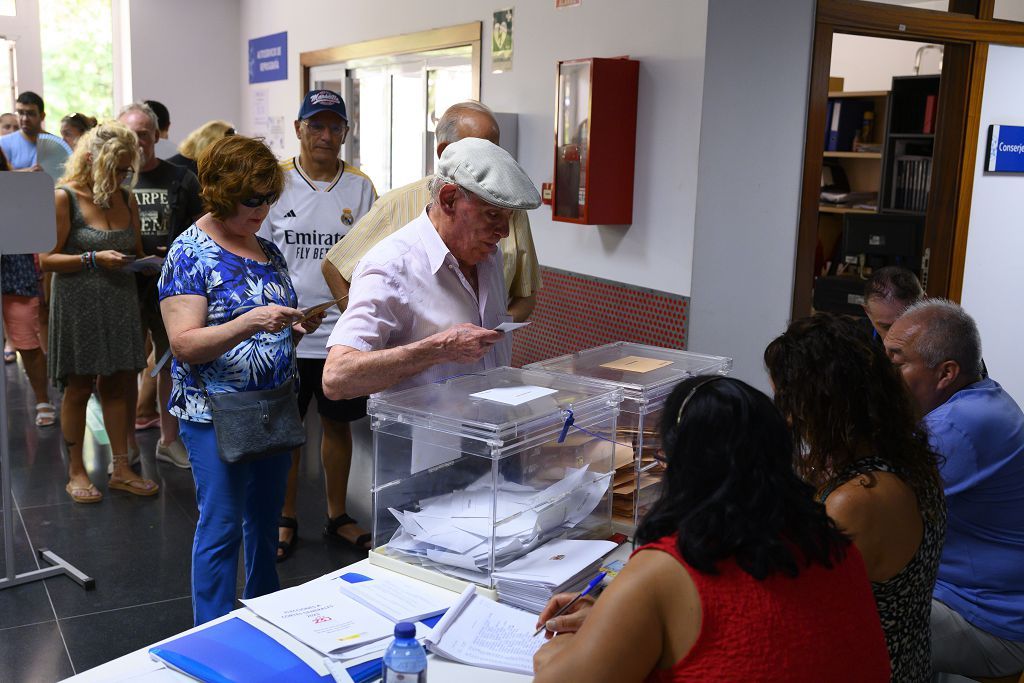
[(137, 550)]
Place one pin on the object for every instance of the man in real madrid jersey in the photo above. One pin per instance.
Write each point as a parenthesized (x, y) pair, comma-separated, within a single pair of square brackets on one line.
[(323, 197)]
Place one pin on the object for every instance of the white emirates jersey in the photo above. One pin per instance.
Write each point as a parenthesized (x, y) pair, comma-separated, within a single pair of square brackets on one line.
[(305, 222)]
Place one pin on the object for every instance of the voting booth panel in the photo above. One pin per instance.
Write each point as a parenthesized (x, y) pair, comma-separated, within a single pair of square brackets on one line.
[(475, 471), (646, 375)]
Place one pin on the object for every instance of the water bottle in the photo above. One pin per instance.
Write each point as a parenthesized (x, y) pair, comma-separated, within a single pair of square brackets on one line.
[(405, 661)]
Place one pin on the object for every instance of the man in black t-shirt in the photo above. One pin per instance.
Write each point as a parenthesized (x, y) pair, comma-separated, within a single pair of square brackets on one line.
[(169, 202)]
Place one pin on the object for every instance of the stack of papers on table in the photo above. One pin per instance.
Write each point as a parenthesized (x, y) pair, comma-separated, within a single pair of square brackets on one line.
[(452, 533), (350, 617), (560, 566), (480, 632)]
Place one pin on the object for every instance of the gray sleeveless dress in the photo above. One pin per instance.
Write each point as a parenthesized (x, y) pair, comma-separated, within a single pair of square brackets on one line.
[(94, 314)]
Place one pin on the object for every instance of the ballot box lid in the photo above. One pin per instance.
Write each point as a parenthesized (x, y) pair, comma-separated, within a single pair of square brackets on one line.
[(646, 374), (502, 406)]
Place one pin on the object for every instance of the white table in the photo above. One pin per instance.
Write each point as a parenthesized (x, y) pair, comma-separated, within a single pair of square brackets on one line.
[(137, 663)]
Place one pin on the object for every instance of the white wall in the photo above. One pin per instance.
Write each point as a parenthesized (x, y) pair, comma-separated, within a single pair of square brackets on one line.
[(870, 63), (748, 194), (185, 54), (656, 251), (23, 28), (994, 270)]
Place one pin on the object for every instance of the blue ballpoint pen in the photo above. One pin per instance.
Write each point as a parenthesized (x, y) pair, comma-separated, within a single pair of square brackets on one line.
[(590, 586)]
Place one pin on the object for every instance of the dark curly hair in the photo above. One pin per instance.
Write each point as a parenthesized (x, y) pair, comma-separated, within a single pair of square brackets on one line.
[(730, 490), (845, 401)]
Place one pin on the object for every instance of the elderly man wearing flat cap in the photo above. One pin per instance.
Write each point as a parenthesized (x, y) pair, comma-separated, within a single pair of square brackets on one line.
[(424, 302)]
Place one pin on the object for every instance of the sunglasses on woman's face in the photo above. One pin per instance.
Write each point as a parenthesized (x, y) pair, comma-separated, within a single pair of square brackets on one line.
[(258, 200)]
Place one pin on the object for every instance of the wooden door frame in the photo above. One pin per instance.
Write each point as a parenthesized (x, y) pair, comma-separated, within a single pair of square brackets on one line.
[(967, 36)]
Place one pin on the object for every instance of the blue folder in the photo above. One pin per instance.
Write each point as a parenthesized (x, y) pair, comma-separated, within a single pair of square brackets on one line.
[(234, 651)]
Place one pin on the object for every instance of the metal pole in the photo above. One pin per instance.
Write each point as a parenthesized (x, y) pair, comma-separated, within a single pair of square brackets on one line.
[(57, 565)]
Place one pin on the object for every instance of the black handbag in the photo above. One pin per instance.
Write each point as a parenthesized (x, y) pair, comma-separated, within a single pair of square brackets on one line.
[(251, 425)]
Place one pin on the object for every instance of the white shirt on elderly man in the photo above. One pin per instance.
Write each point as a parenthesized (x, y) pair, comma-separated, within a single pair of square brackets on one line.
[(409, 287)]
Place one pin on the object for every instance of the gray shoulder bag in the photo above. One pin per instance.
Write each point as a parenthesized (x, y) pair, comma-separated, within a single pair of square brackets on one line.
[(251, 425)]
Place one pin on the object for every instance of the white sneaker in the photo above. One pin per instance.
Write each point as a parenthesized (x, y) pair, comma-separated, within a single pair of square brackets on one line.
[(173, 453), (133, 460)]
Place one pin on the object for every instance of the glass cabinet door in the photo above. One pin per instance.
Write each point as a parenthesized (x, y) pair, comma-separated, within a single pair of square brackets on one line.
[(572, 139)]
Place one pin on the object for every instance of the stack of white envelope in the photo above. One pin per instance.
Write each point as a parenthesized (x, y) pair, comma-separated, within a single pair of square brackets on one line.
[(452, 533), (561, 566)]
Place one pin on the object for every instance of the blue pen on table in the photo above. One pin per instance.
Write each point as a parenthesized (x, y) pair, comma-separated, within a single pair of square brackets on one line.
[(590, 586)]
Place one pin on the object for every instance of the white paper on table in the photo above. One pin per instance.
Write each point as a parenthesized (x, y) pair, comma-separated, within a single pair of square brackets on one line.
[(556, 561), (321, 617), (311, 657), (399, 598), (153, 672), (510, 327), (358, 655), (514, 396), (480, 632), (426, 454)]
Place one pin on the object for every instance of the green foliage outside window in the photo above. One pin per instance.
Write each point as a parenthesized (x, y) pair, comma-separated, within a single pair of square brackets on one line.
[(78, 58)]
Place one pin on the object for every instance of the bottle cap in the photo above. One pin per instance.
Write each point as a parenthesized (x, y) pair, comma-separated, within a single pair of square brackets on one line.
[(405, 629)]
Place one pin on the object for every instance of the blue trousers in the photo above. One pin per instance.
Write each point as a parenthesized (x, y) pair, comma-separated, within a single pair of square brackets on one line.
[(236, 502)]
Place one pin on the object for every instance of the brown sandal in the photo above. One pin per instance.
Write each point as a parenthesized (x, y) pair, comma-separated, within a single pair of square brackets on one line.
[(83, 494), (136, 487)]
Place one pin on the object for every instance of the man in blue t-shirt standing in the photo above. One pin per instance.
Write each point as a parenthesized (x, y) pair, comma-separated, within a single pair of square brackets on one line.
[(20, 146), (977, 620)]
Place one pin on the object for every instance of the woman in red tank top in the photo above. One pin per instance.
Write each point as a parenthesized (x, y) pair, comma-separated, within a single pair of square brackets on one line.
[(742, 576)]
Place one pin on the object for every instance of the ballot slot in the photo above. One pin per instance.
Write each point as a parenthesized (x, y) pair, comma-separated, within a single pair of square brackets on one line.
[(463, 485), (646, 375)]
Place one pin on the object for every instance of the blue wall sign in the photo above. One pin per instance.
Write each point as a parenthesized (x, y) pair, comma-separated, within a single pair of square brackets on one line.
[(1005, 149), (268, 58)]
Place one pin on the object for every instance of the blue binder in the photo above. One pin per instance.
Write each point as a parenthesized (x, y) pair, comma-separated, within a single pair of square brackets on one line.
[(234, 651)]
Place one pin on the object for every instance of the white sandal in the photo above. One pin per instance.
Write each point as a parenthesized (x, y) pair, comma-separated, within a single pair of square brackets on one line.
[(46, 415)]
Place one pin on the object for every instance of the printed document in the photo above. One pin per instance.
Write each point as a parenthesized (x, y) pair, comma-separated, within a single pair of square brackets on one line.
[(480, 632), (322, 617), (396, 597)]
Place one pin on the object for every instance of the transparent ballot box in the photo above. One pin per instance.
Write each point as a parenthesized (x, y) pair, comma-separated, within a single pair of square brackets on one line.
[(473, 472), (646, 375)]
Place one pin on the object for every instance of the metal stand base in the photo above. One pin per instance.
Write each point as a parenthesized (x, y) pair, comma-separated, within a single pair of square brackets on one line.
[(58, 566)]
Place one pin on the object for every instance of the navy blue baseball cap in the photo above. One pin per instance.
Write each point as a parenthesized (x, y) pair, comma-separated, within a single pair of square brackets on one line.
[(317, 101)]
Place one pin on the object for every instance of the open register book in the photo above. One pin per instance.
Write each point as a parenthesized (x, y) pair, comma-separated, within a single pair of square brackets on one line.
[(481, 632)]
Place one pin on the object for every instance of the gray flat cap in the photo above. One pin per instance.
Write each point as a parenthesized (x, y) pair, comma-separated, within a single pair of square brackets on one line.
[(481, 167)]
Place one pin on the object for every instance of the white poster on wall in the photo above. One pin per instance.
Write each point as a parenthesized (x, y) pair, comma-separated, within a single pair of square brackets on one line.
[(259, 111)]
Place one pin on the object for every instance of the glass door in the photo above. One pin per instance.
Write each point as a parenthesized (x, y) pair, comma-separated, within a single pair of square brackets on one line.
[(394, 103)]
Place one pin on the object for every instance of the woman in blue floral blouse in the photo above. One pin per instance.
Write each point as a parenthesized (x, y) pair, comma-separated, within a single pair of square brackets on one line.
[(230, 314)]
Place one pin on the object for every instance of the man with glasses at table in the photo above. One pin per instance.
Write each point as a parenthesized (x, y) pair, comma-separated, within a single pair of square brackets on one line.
[(323, 197)]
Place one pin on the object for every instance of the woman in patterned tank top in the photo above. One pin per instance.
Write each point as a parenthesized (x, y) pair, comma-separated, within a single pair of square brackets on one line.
[(860, 443), (742, 575)]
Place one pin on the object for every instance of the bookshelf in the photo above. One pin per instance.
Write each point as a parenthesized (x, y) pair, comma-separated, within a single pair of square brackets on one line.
[(862, 169), (909, 144)]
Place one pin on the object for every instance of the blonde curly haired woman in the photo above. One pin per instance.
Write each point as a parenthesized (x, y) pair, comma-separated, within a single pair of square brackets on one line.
[(198, 140), (95, 332)]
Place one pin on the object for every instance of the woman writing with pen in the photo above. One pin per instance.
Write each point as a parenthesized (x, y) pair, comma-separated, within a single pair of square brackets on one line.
[(740, 574)]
